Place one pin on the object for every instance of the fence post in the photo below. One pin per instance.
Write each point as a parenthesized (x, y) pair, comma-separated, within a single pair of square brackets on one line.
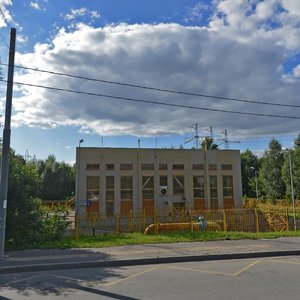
[(256, 220), (130, 220), (287, 219), (224, 220), (117, 225), (191, 221), (156, 220), (144, 219), (76, 227)]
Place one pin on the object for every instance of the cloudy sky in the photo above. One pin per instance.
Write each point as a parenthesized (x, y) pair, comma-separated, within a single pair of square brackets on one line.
[(243, 52)]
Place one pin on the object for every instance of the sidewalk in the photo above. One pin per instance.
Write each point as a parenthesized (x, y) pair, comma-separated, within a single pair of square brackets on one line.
[(40, 260)]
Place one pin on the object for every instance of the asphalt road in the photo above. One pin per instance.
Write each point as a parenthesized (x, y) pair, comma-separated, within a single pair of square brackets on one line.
[(257, 278)]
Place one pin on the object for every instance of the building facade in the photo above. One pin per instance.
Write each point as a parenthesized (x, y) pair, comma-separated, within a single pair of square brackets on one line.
[(118, 180)]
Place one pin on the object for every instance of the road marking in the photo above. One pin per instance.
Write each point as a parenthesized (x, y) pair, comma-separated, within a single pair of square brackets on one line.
[(218, 273), (246, 268), (284, 262), (130, 277), (202, 271), (24, 279)]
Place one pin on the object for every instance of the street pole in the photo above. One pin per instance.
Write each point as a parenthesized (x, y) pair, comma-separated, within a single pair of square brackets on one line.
[(256, 183), (77, 190), (6, 142), (292, 191)]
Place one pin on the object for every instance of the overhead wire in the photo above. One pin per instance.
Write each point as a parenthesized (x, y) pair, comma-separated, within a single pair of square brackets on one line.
[(153, 102), (157, 89)]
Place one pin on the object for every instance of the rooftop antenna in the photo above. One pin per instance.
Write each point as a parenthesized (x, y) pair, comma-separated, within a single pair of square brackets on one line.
[(27, 156), (225, 140), (193, 136)]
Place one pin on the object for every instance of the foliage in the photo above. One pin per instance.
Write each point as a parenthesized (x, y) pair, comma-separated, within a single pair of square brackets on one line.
[(57, 179), (27, 222), (270, 172), (208, 143), (249, 165), (295, 162)]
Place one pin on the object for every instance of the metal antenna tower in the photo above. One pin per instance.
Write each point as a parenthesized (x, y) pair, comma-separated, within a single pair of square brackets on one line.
[(193, 136)]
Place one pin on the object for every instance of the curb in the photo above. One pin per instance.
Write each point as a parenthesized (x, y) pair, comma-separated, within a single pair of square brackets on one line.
[(141, 261)]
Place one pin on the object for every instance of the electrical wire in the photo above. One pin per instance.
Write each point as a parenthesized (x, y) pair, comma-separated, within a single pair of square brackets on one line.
[(154, 102), (156, 89)]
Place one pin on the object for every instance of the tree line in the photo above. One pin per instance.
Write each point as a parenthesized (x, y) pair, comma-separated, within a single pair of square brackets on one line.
[(272, 171), (28, 221)]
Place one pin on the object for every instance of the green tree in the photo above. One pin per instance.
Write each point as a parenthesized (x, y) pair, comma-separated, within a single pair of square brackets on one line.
[(57, 179), (295, 159), (248, 162), (27, 222), (270, 172), (208, 143)]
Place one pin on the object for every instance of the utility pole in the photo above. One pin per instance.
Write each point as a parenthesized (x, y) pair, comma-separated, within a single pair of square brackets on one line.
[(6, 141)]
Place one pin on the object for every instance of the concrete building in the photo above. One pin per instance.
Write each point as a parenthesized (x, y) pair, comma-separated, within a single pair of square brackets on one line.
[(117, 180)]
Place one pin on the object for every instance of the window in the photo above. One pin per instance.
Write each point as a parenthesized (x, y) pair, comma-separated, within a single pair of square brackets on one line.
[(212, 167), (126, 188), (110, 195), (148, 187), (227, 186), (126, 167), (109, 167), (198, 187), (147, 166), (178, 185), (178, 167), (198, 167), (92, 188), (213, 192), (92, 167), (163, 180), (163, 166), (226, 167)]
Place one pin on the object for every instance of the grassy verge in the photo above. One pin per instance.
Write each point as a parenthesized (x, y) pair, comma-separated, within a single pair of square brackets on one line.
[(139, 238)]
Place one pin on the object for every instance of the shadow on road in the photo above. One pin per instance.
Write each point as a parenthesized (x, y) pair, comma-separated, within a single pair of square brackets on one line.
[(61, 282)]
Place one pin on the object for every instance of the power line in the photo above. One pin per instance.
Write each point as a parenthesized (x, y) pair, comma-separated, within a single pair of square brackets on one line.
[(154, 102), (157, 89)]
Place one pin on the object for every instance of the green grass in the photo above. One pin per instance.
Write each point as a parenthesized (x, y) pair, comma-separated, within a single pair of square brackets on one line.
[(139, 238)]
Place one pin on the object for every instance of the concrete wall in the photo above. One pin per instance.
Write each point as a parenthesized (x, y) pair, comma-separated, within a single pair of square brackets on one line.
[(137, 157)]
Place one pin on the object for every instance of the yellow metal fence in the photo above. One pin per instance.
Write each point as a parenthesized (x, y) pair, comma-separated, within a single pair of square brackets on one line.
[(239, 220)]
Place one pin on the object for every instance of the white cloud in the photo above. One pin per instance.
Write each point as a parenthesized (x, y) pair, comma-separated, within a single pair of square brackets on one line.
[(76, 13), (237, 55), (293, 6), (5, 16), (35, 5)]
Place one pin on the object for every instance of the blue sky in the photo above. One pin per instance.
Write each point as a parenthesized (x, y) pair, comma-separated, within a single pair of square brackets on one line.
[(243, 49)]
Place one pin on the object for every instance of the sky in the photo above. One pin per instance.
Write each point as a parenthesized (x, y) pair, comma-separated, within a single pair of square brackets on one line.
[(229, 64)]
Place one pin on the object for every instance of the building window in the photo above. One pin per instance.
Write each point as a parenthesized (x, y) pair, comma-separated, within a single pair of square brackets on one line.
[(147, 166), (198, 167), (227, 186), (178, 167), (178, 185), (91, 167), (126, 188), (109, 167), (110, 195), (163, 180), (163, 166), (92, 188), (212, 167), (148, 187), (213, 183), (226, 167), (198, 187), (126, 167)]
